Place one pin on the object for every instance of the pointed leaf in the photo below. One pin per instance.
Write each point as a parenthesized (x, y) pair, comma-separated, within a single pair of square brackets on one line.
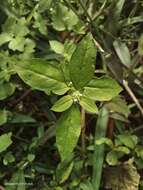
[(102, 89), (5, 141), (63, 104), (56, 46), (42, 75), (118, 105), (68, 131), (123, 53), (6, 89), (82, 62), (88, 104)]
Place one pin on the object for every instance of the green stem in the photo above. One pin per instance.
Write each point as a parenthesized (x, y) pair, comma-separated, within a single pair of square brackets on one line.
[(98, 158), (83, 127)]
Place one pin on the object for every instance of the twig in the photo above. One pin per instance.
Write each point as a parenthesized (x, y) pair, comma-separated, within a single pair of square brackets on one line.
[(132, 95), (100, 10), (98, 46), (26, 93), (86, 12), (16, 137)]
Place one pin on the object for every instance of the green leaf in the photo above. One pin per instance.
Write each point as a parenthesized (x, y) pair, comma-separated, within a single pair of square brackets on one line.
[(17, 44), (118, 8), (98, 156), (128, 140), (30, 157), (102, 89), (68, 131), (140, 45), (20, 118), (8, 158), (67, 173), (20, 29), (5, 141), (86, 185), (40, 23), (6, 90), (63, 104), (63, 18), (3, 117), (123, 53), (88, 104), (63, 171), (112, 158), (82, 62), (123, 177), (4, 38), (42, 75), (122, 149), (56, 46), (118, 105), (18, 181), (44, 5), (69, 48), (106, 141)]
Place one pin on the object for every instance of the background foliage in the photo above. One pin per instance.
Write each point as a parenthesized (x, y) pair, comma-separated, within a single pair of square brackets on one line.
[(71, 91)]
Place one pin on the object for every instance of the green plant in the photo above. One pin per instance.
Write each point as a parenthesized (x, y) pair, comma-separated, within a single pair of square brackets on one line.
[(66, 67)]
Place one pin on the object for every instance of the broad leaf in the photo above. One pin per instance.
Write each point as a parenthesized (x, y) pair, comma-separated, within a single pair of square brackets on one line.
[(63, 104), (4, 38), (102, 89), (63, 18), (82, 62), (56, 46), (6, 90), (128, 140), (118, 105), (5, 141), (42, 75), (88, 104), (17, 43), (68, 131)]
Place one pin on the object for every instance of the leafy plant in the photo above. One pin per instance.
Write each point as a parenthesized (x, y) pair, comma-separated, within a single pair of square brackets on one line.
[(71, 94)]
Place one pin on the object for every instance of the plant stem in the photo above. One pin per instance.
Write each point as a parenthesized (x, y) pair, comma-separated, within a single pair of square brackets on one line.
[(83, 127), (132, 95)]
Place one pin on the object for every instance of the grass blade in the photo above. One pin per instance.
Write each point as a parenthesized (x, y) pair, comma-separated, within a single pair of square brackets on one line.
[(98, 158)]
